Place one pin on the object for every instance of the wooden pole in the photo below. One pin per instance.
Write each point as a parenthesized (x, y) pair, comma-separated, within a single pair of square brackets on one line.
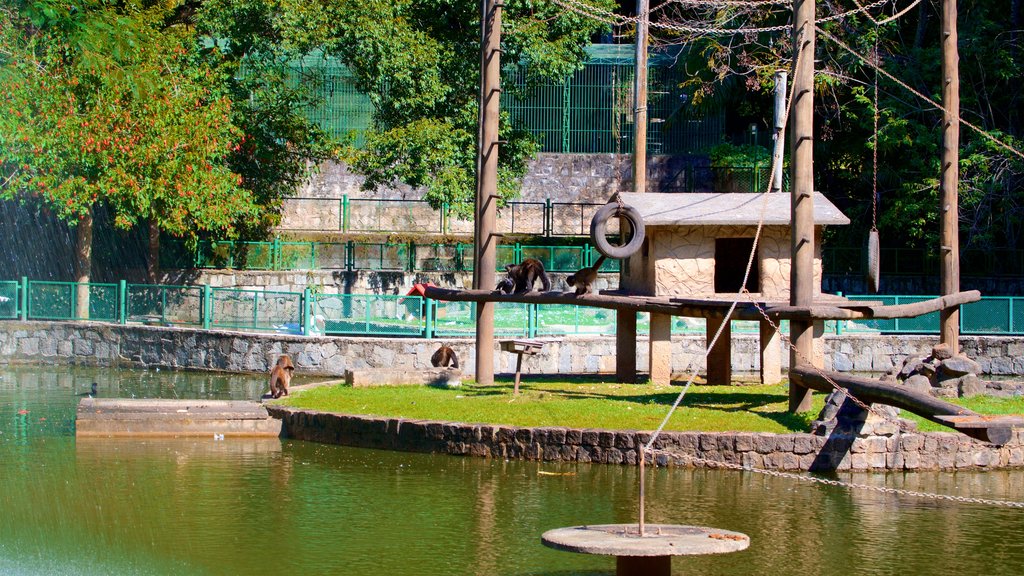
[(485, 240), (949, 182), (83, 265), (625, 321), (802, 218)]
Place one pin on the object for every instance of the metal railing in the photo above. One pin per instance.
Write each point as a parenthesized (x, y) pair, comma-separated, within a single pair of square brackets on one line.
[(310, 313), (386, 257)]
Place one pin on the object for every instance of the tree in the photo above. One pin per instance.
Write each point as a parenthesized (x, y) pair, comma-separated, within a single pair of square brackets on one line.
[(102, 108), (419, 62)]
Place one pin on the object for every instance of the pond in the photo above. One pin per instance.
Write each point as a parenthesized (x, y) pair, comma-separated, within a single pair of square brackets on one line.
[(201, 506)]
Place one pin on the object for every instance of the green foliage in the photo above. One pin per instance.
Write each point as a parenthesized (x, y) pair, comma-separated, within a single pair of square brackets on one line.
[(727, 155), (100, 106), (419, 63)]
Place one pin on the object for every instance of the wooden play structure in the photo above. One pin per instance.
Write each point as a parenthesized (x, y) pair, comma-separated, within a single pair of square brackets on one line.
[(693, 260)]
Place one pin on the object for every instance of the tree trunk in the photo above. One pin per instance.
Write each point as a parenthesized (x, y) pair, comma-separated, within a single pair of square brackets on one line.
[(153, 260), (83, 265)]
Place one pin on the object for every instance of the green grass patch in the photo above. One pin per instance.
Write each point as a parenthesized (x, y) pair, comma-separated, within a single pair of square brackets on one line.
[(980, 404), (582, 403)]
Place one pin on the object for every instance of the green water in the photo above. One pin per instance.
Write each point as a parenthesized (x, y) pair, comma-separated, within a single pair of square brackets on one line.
[(92, 507)]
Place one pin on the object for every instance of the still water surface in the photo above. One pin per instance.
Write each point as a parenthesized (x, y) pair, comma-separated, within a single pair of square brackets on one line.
[(156, 507)]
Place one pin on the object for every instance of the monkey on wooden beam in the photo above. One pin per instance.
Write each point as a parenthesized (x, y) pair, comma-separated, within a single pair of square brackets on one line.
[(521, 277), (584, 278)]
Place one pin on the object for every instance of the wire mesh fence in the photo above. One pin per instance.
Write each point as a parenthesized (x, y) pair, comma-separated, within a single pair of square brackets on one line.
[(8, 299), (240, 309), (165, 305), (310, 312)]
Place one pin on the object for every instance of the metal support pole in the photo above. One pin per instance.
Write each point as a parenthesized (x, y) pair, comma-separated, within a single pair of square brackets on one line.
[(24, 298), (206, 310), (485, 239), (779, 135), (122, 302), (949, 182), (307, 307), (802, 200)]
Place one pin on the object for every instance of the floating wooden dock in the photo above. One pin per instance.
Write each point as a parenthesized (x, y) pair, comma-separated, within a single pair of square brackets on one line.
[(119, 417)]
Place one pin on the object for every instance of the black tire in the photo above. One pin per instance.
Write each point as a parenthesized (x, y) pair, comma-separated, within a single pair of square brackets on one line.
[(874, 264), (599, 228)]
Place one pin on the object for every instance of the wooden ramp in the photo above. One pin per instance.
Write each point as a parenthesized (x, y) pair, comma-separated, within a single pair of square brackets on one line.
[(115, 417), (997, 430)]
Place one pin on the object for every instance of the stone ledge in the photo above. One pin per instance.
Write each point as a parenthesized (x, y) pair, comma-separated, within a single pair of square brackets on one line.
[(794, 452)]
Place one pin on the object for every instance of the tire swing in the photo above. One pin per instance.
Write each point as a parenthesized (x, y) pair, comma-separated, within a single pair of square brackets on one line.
[(599, 230)]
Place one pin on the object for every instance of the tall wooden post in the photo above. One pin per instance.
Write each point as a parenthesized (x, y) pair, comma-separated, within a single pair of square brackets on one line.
[(485, 240), (802, 217), (949, 182), (625, 321)]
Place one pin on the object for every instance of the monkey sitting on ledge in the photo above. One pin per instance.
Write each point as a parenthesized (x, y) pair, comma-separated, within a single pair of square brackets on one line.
[(521, 277), (584, 279), (444, 357), (281, 376)]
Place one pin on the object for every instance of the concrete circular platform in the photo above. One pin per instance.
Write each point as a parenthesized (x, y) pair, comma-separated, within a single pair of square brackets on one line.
[(658, 540)]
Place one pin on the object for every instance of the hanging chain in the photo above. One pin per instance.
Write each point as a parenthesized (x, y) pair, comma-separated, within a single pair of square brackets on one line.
[(838, 483), (874, 148)]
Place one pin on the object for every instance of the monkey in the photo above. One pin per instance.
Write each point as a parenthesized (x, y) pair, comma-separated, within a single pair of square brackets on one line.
[(444, 357), (281, 376), (522, 277), (584, 278)]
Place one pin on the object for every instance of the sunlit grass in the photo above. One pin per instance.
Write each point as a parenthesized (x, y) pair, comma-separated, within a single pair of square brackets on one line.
[(980, 404), (582, 403)]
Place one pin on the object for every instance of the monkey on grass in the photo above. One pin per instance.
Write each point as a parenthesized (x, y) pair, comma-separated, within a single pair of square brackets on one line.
[(521, 277), (444, 357), (584, 278), (281, 376)]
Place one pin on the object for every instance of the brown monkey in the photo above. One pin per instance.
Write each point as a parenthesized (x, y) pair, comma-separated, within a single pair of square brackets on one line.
[(444, 357), (584, 278), (281, 376), (521, 277)]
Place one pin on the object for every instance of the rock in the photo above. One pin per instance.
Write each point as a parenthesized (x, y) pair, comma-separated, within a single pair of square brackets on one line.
[(945, 392), (927, 369), (970, 385), (918, 383), (910, 367), (942, 351), (958, 366)]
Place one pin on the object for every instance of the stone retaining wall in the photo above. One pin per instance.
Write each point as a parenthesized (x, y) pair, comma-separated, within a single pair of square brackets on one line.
[(134, 345), (896, 452)]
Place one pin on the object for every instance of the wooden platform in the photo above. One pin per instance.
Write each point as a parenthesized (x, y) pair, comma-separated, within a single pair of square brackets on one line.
[(115, 417), (825, 306)]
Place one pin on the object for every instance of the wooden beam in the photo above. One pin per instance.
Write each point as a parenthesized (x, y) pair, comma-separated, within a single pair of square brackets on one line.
[(994, 430), (949, 179), (854, 311)]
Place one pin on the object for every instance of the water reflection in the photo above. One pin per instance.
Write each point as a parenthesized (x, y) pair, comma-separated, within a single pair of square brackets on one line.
[(256, 506)]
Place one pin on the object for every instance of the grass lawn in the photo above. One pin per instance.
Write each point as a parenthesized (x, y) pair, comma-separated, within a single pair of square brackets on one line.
[(590, 402)]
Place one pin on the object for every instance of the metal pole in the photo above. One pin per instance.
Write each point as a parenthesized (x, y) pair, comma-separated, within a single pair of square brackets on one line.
[(802, 201), (779, 136), (949, 182), (485, 240)]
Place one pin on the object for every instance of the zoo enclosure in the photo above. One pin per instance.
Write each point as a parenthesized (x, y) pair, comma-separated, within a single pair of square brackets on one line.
[(312, 313)]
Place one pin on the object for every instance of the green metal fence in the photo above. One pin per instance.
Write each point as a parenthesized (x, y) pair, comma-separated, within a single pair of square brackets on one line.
[(387, 257), (59, 301), (370, 314), (166, 305), (9, 299), (588, 112), (394, 315), (1000, 263), (242, 309)]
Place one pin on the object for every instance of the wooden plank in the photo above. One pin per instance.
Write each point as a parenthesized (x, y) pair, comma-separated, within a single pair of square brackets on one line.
[(870, 391)]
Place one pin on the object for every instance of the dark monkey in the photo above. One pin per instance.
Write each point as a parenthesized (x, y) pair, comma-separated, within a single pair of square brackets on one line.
[(521, 277), (444, 357), (281, 376), (584, 279)]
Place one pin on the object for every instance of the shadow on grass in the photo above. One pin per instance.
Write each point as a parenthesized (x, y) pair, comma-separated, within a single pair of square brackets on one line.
[(725, 399)]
